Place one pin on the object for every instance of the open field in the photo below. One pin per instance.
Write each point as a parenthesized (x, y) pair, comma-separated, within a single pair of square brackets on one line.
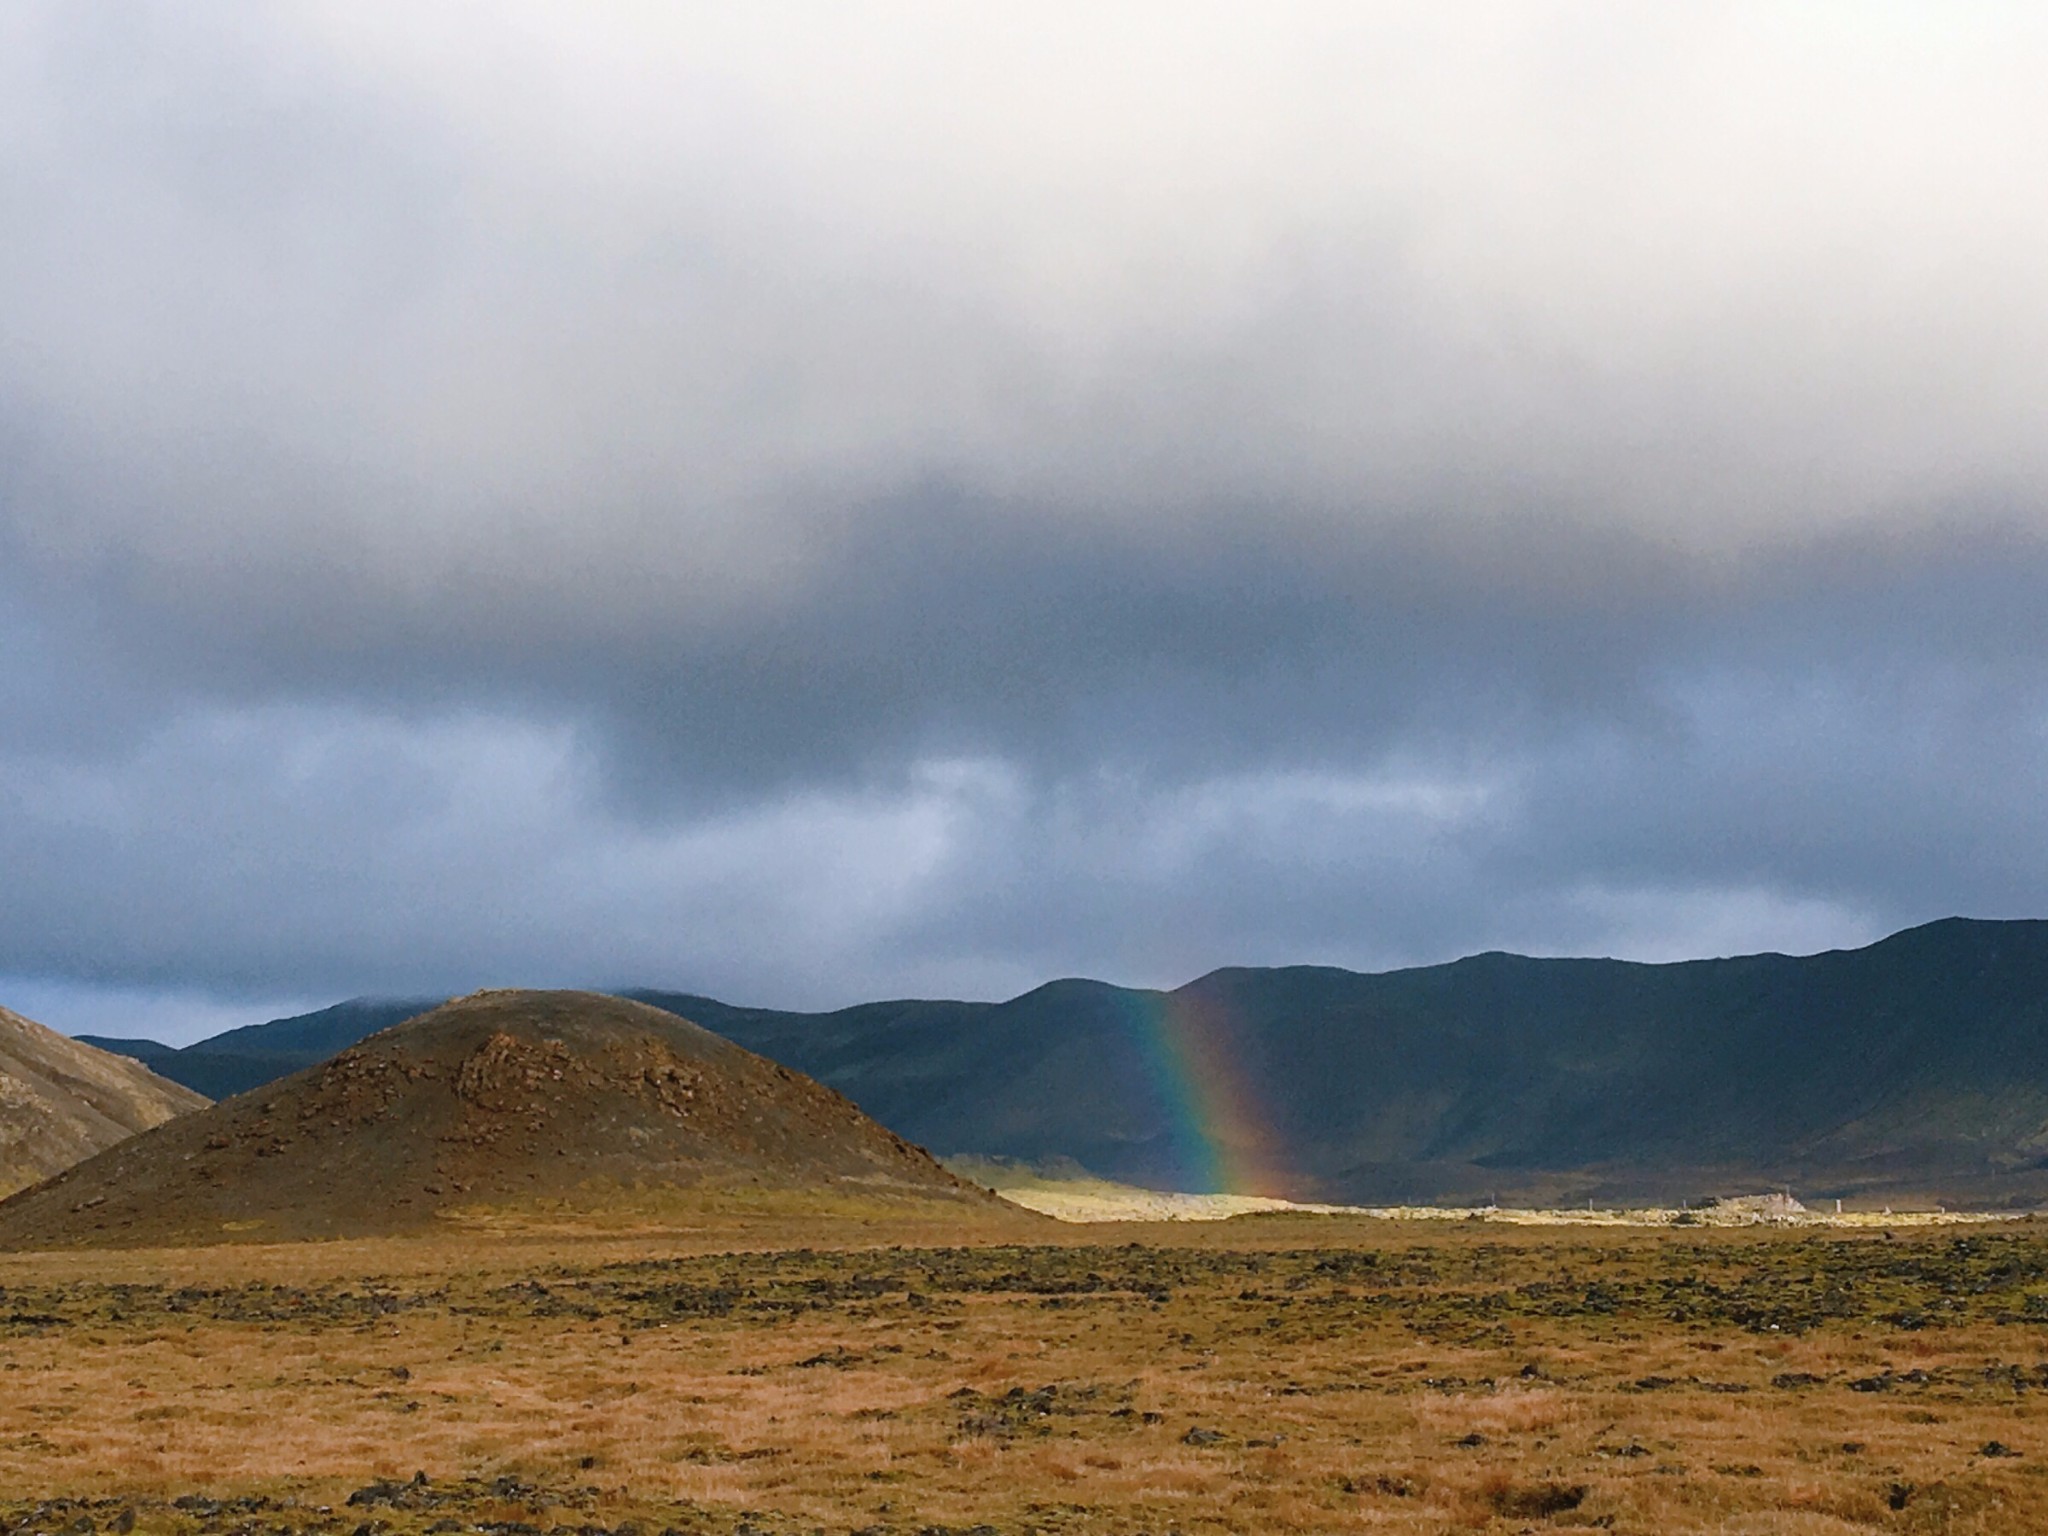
[(1084, 1199), (1279, 1373)]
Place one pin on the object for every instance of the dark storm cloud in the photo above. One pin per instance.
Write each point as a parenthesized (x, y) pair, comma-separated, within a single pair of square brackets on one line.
[(816, 509), (949, 628)]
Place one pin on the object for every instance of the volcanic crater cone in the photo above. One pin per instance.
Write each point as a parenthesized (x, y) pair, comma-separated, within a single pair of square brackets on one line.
[(498, 1099)]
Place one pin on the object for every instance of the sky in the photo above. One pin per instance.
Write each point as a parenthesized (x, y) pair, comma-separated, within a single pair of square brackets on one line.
[(809, 503)]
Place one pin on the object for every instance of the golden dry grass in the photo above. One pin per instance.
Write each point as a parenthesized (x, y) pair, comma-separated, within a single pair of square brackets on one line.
[(1283, 1374)]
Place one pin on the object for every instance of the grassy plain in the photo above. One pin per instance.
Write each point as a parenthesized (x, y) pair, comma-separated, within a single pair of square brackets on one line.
[(1268, 1374)]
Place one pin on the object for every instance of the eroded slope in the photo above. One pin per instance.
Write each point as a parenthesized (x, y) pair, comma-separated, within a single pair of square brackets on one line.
[(61, 1102)]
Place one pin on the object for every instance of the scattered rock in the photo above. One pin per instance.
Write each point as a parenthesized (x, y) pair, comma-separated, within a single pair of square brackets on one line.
[(1538, 1501)]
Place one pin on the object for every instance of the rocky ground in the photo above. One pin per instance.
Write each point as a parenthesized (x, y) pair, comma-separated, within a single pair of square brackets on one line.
[(1269, 1374)]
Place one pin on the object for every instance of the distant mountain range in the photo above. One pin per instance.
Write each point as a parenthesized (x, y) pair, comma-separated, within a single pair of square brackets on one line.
[(1916, 1068), (249, 1057)]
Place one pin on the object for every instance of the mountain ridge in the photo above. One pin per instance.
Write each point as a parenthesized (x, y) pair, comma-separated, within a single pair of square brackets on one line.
[(1914, 1067)]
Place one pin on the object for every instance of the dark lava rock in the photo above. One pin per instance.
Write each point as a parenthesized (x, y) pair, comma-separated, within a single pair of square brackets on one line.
[(1539, 1501)]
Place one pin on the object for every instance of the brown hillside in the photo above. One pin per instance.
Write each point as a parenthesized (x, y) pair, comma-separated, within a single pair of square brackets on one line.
[(498, 1099), (60, 1101)]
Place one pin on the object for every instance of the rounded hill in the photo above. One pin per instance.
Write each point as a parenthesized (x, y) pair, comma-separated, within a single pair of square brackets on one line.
[(498, 1099)]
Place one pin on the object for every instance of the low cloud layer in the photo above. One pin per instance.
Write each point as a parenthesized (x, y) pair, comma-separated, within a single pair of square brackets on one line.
[(809, 505)]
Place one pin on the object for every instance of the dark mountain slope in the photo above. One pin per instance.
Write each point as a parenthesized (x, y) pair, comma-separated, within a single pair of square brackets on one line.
[(1915, 1067), (495, 1100), (1068, 1070), (256, 1054)]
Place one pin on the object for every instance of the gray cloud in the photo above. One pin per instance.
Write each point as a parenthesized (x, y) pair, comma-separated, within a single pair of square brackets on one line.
[(810, 505)]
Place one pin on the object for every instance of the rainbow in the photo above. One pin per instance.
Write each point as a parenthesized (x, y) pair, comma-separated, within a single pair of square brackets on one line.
[(1223, 1135)]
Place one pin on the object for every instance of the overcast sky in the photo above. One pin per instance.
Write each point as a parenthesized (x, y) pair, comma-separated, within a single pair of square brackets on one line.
[(816, 502)]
